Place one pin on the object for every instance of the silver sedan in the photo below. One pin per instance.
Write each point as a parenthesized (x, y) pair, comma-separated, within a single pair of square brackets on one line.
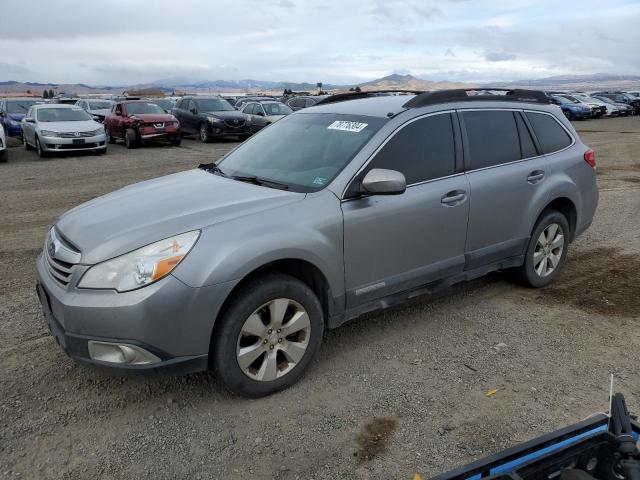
[(62, 128)]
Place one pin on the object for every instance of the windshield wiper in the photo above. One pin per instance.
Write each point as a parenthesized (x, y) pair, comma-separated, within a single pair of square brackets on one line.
[(213, 168), (260, 181)]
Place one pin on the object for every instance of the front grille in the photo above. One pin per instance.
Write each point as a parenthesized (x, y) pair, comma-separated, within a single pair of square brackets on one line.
[(56, 248), (233, 124), (59, 270), (74, 146), (78, 134)]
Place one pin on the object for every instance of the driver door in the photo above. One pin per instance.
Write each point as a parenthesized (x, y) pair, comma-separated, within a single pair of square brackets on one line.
[(396, 243)]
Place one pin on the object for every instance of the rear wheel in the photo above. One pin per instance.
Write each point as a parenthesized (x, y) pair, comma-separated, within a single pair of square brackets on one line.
[(130, 139), (268, 336), (205, 136), (110, 139), (25, 143), (547, 250)]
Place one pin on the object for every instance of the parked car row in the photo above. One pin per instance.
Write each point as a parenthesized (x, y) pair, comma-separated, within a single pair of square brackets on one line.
[(580, 105)]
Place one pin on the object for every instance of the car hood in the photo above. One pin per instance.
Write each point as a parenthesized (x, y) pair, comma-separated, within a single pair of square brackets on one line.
[(230, 115), (83, 126), (154, 117), (149, 211), (16, 116)]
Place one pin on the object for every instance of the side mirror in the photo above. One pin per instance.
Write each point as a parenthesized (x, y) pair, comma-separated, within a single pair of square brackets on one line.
[(260, 114), (30, 120), (119, 113), (96, 118), (380, 181), (194, 110)]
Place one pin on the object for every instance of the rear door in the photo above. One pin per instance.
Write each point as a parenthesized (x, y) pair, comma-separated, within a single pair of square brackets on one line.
[(398, 242), (506, 175)]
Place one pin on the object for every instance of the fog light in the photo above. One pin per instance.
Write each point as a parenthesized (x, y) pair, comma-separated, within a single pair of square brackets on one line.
[(121, 353)]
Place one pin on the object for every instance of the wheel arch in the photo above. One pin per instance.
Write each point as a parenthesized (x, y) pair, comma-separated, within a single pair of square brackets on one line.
[(567, 207)]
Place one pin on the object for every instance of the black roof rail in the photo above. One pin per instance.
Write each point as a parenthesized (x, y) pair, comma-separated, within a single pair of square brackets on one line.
[(462, 95), (342, 97)]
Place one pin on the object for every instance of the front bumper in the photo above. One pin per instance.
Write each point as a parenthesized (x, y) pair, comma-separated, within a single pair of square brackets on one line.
[(153, 133), (168, 319), (56, 144), (222, 129)]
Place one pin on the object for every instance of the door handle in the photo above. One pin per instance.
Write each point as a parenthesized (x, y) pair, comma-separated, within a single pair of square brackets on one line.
[(535, 176), (453, 198)]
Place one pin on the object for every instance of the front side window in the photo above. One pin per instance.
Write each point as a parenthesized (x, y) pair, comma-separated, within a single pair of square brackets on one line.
[(422, 150), (62, 115), (277, 154), (99, 105), (551, 136), (276, 109), (492, 138)]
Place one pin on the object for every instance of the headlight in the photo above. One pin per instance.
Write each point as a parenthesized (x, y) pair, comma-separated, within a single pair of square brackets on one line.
[(98, 131), (49, 133), (176, 124), (214, 120), (140, 267), (13, 123)]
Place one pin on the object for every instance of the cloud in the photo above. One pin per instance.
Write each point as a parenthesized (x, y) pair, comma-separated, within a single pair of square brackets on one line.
[(499, 56), (334, 41)]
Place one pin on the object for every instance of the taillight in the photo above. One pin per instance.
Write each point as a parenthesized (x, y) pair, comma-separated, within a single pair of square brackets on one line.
[(590, 158)]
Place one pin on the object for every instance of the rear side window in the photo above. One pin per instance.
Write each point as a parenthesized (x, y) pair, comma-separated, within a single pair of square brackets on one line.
[(492, 137), (423, 150), (551, 136)]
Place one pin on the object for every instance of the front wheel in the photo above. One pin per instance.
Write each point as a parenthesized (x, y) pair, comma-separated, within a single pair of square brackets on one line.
[(110, 139), (175, 141), (41, 153), (568, 114), (268, 336), (547, 251), (130, 139)]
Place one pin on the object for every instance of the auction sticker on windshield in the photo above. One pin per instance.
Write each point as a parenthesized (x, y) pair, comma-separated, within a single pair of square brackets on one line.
[(347, 126)]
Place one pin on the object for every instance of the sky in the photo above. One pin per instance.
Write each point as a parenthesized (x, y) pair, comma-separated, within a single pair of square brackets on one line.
[(118, 42)]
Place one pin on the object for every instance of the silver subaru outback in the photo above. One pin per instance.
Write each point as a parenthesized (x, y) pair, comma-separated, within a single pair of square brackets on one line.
[(339, 209)]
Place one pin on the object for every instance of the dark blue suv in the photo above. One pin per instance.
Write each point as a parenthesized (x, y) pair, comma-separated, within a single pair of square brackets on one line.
[(12, 110), (571, 107)]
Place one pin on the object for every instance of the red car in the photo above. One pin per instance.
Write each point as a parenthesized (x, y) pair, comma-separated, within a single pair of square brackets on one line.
[(139, 121)]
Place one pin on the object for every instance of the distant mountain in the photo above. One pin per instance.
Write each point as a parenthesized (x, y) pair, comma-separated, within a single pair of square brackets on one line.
[(595, 81), (409, 82), (395, 81)]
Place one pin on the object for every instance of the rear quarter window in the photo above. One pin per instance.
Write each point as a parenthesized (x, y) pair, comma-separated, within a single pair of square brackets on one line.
[(551, 135)]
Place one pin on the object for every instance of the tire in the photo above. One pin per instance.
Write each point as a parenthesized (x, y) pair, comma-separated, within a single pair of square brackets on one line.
[(101, 151), (543, 262), (254, 303), (203, 133), (41, 153), (568, 114), (4, 155), (110, 139), (130, 139), (176, 141), (25, 143)]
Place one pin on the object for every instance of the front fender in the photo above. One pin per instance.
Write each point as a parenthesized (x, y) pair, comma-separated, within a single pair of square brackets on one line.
[(310, 230)]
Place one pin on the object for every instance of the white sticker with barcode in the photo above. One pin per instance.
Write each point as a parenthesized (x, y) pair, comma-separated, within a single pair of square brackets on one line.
[(346, 126)]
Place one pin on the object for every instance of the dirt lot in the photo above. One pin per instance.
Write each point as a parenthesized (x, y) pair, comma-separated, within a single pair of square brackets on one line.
[(395, 393)]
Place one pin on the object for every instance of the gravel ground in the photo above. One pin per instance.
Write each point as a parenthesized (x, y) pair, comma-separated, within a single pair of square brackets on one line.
[(394, 393)]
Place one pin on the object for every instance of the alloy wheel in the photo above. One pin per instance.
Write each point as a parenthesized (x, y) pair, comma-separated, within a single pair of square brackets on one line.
[(273, 340), (548, 251), (203, 132)]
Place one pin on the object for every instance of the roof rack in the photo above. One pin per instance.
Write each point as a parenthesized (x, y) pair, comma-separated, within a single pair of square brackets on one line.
[(462, 95), (341, 97)]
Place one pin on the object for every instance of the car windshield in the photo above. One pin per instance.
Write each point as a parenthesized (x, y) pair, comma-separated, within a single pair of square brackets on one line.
[(304, 152), (165, 104), (62, 115), (214, 105), (567, 99), (20, 106), (276, 109), (99, 105), (142, 108), (606, 100)]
